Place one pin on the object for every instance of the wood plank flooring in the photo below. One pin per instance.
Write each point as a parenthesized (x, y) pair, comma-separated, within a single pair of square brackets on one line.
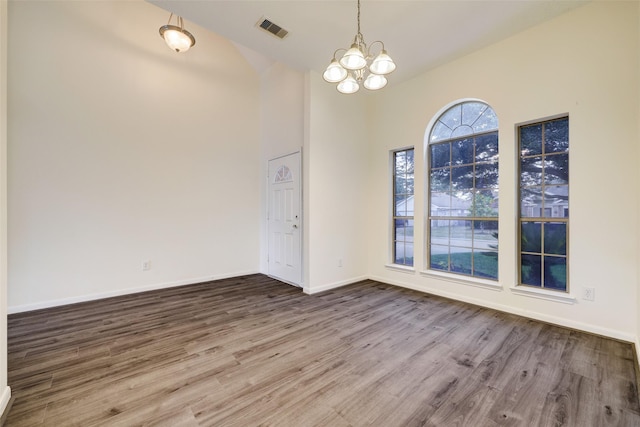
[(251, 351)]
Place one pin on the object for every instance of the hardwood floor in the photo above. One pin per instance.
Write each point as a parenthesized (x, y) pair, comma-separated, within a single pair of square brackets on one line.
[(252, 351)]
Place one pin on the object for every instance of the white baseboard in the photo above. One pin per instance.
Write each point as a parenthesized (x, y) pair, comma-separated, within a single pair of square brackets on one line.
[(334, 285), (594, 329), (120, 292), (4, 399)]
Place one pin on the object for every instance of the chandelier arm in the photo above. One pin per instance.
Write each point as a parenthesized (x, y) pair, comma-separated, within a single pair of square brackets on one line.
[(372, 43), (338, 50), (169, 21)]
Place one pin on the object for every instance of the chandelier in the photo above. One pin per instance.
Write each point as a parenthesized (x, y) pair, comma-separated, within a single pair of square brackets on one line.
[(176, 37), (358, 65)]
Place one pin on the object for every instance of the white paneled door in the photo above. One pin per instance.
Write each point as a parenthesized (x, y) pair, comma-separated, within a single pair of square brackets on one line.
[(285, 219)]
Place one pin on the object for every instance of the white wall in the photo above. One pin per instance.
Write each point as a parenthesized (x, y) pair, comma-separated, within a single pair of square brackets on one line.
[(336, 150), (584, 63), (282, 102), (5, 391), (121, 151), (638, 212)]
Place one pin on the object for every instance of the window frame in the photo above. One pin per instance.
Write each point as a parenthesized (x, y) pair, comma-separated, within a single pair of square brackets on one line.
[(394, 217), (543, 219), (430, 140)]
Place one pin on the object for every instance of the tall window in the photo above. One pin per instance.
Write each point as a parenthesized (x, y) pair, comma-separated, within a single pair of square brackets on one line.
[(403, 207), (544, 203), (463, 191)]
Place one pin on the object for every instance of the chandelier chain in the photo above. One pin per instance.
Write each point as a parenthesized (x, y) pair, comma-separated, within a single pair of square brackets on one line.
[(358, 16)]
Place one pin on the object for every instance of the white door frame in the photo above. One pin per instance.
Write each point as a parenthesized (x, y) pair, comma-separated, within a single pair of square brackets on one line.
[(296, 278)]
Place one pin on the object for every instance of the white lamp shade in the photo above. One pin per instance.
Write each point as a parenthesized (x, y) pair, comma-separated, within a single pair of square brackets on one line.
[(353, 59), (334, 72), (382, 64), (375, 82), (348, 85), (177, 39)]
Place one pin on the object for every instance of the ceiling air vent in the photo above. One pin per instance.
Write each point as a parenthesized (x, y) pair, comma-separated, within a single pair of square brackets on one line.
[(272, 28)]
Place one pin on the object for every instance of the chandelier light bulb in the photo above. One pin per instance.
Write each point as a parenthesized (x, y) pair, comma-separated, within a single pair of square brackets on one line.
[(375, 81), (348, 85), (335, 72), (383, 64), (353, 59)]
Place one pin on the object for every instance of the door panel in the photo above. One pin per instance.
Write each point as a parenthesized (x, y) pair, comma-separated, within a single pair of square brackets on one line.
[(284, 220)]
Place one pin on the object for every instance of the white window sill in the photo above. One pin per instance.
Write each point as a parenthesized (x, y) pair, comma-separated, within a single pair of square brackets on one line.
[(401, 268), (463, 280), (543, 294)]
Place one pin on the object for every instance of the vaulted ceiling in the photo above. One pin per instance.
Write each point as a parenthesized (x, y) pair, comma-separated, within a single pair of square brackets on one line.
[(418, 35)]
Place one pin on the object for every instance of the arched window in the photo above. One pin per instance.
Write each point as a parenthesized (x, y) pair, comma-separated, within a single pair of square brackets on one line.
[(462, 159)]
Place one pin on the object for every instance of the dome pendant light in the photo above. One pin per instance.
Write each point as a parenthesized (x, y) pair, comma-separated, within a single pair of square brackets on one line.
[(358, 65), (176, 37)]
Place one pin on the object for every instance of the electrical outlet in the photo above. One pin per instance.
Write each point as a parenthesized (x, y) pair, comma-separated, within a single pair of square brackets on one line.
[(588, 294), (146, 265)]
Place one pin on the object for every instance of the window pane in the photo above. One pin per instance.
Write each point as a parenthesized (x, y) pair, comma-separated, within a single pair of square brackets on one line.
[(556, 136), (487, 122), (462, 178), (531, 266), (555, 273), (410, 162), (439, 180), (399, 229), (485, 264), (440, 232), (440, 204), (471, 111), (400, 205), (485, 235), (531, 171), (531, 140), (487, 175), (452, 117), (462, 151), (440, 132), (555, 238), (531, 202), (461, 234), (399, 257), (461, 203), (440, 155), (487, 148), (531, 237), (408, 231), (484, 204), (461, 261), (400, 185), (439, 259), (409, 203), (556, 169), (557, 199), (400, 162)]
